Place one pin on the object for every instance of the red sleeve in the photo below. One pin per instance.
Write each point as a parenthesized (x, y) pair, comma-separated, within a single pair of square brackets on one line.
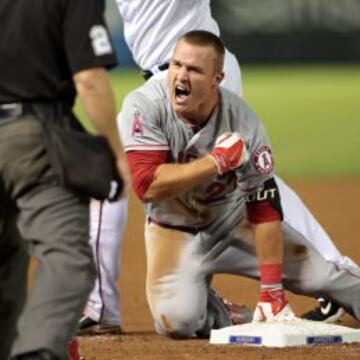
[(142, 166), (262, 212)]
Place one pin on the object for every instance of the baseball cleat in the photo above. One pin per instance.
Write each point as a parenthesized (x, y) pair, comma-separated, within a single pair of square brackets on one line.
[(90, 327), (239, 314), (327, 312), (228, 313)]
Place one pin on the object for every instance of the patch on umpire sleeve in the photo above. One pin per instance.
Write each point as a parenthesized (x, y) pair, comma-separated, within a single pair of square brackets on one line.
[(100, 40), (137, 127), (266, 199), (263, 160)]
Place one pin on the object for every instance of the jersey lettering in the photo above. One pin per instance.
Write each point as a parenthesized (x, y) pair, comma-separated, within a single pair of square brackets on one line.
[(261, 195), (100, 40), (267, 198)]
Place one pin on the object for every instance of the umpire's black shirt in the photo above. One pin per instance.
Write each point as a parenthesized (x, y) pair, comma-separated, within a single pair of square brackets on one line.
[(40, 53)]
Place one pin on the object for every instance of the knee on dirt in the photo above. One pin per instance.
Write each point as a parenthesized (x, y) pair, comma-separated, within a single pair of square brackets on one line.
[(177, 322)]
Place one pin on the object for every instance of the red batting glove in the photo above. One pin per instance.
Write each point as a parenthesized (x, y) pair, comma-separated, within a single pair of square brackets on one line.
[(229, 152), (273, 307)]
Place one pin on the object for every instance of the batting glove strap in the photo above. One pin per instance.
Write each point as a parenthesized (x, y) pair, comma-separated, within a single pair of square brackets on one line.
[(222, 163)]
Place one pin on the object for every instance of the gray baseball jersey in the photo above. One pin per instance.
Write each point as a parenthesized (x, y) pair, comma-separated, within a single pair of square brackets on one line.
[(149, 123), (180, 262)]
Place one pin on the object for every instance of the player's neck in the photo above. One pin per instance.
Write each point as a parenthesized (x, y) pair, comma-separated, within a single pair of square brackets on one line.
[(196, 125), (202, 115)]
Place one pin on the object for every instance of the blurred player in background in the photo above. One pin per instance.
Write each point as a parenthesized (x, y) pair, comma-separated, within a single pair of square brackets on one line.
[(151, 28)]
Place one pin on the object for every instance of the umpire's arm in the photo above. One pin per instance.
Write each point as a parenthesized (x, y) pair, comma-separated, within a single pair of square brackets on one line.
[(96, 96)]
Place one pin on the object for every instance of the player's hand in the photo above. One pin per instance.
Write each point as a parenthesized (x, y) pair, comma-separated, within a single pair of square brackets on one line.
[(273, 307), (229, 152)]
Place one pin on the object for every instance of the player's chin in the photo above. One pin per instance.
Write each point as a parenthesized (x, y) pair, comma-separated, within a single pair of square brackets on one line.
[(182, 110), (180, 105)]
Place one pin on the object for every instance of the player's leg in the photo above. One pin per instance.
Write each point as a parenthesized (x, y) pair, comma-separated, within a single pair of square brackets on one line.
[(305, 269), (55, 224), (13, 276), (308, 272), (177, 286), (107, 225), (298, 216)]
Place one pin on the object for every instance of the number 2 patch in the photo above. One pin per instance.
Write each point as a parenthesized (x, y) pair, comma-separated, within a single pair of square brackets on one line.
[(263, 160), (100, 40)]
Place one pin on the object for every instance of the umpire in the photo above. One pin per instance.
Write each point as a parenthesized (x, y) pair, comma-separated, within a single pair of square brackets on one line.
[(49, 52)]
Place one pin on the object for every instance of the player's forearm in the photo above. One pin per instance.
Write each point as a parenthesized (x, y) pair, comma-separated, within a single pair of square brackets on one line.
[(268, 238), (97, 98), (172, 179)]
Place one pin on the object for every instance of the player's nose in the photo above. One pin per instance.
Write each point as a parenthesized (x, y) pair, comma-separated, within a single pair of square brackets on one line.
[(182, 73)]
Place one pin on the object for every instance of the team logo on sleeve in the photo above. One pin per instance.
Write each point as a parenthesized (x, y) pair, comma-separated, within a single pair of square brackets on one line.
[(137, 128), (263, 160)]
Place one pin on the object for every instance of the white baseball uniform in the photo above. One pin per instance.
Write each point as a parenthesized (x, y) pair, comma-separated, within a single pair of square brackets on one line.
[(107, 223), (205, 230), (151, 28)]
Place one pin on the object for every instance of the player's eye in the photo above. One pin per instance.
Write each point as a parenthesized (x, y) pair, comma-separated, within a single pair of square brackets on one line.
[(195, 69)]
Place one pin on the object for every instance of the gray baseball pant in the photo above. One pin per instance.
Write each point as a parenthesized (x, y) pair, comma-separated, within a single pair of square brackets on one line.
[(40, 218), (179, 265)]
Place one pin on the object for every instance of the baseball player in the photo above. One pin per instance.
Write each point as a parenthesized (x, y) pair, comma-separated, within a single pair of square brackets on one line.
[(102, 315), (151, 28), (148, 21), (202, 163), (145, 25)]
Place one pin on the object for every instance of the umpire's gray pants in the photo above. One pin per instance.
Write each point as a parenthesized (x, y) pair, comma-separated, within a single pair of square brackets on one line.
[(40, 218)]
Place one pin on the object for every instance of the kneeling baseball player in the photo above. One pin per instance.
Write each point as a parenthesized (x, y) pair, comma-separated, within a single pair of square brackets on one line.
[(202, 163)]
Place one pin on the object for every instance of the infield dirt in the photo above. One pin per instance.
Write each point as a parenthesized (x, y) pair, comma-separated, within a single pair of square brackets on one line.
[(336, 204)]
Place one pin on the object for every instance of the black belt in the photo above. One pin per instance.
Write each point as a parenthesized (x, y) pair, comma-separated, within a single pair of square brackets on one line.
[(147, 74), (15, 110), (189, 229)]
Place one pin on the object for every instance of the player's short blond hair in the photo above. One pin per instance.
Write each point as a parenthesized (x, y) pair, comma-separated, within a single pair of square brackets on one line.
[(206, 38)]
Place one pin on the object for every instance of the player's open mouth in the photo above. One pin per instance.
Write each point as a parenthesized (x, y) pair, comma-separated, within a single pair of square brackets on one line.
[(181, 93)]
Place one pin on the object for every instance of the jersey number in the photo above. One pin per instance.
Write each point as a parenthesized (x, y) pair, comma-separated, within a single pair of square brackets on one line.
[(218, 189), (100, 40)]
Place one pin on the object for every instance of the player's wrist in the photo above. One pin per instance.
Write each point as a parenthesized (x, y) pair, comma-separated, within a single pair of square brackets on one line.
[(221, 162)]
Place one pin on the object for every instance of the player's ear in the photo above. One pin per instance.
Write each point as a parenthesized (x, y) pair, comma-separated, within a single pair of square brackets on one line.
[(219, 77)]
